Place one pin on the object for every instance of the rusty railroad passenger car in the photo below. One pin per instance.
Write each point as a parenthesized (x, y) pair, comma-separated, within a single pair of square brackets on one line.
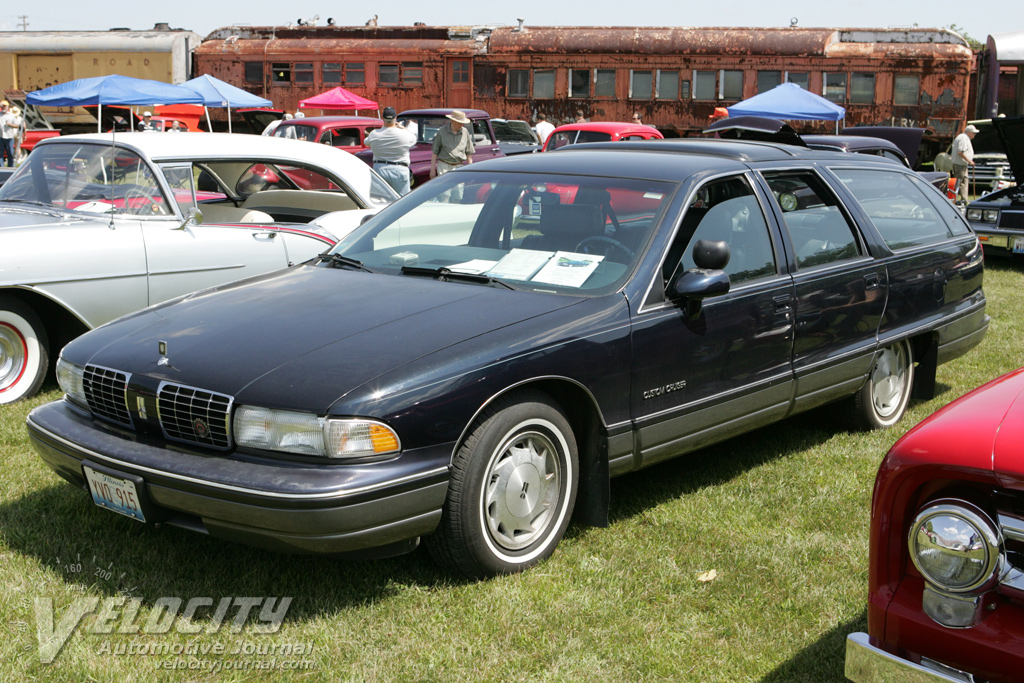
[(675, 77)]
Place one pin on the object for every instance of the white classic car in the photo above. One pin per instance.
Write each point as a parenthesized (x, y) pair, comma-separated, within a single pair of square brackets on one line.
[(96, 226)]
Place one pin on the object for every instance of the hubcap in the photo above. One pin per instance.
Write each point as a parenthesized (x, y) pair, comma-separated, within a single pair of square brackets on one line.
[(13, 350), (889, 380), (522, 490)]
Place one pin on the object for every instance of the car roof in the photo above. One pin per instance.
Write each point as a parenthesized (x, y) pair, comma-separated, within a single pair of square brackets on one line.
[(331, 121), (853, 143), (604, 127), (162, 147), (478, 113)]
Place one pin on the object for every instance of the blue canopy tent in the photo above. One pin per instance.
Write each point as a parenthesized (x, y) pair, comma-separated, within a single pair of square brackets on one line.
[(217, 93), (788, 102), (114, 89)]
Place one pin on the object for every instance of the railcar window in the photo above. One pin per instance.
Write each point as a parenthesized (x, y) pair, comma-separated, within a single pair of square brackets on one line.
[(282, 73), (704, 85), (732, 85), (544, 84), (518, 83), (726, 210), (254, 72), (900, 209), (604, 82), (835, 88), (803, 79), (387, 74), (766, 80), (907, 89), (579, 82), (684, 89), (355, 73), (460, 71), (641, 84), (304, 72), (412, 74), (667, 87), (331, 73), (818, 228), (862, 88)]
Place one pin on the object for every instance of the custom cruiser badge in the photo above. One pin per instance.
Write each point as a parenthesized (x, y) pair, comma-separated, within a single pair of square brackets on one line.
[(667, 389)]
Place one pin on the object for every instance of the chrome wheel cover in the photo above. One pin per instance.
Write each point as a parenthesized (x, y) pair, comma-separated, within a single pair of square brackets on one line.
[(13, 351), (522, 489), (889, 380)]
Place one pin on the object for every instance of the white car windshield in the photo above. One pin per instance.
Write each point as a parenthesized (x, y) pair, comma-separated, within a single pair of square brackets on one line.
[(566, 234), (87, 177)]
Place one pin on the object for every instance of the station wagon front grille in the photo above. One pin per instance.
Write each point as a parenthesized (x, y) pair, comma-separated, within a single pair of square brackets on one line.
[(194, 415), (106, 392)]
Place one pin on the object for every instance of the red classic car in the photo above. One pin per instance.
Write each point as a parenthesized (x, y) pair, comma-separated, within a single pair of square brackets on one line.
[(946, 575), (599, 131), (347, 132)]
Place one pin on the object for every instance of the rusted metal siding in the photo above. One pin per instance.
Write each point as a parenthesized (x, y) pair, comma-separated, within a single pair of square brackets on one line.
[(939, 58)]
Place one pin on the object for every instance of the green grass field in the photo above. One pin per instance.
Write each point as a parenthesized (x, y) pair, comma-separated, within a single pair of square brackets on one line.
[(780, 515)]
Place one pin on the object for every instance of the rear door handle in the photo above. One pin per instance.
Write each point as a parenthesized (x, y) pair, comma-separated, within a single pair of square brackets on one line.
[(871, 281)]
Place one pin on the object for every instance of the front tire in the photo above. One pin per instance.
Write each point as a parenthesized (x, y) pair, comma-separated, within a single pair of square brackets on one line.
[(883, 399), (512, 490), (23, 351)]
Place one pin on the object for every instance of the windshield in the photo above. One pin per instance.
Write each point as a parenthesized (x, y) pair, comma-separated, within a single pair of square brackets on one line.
[(295, 132), (512, 131), (563, 234), (87, 177)]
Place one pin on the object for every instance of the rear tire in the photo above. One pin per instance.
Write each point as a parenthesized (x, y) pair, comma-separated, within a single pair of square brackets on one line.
[(23, 351), (883, 399), (512, 490)]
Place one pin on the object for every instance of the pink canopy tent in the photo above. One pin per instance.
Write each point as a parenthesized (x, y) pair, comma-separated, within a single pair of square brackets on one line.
[(337, 98)]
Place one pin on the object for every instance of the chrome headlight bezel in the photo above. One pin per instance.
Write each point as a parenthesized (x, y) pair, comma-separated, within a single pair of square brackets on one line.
[(71, 379), (969, 547), (298, 433)]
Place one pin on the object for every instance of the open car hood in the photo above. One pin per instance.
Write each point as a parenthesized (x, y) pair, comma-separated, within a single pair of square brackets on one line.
[(1011, 133)]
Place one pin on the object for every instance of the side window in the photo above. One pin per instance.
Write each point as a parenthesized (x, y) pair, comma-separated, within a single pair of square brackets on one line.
[(181, 179), (898, 207), (818, 229), (727, 210)]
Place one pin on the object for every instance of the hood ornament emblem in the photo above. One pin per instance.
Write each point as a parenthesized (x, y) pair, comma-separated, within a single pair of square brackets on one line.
[(162, 350)]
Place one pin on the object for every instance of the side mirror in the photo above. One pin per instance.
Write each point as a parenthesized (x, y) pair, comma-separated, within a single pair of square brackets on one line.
[(193, 216), (706, 280)]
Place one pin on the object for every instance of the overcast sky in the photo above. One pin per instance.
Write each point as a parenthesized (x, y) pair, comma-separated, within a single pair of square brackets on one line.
[(202, 16)]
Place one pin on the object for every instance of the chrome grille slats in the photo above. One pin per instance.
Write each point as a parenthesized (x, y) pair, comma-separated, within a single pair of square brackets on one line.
[(193, 415), (106, 391)]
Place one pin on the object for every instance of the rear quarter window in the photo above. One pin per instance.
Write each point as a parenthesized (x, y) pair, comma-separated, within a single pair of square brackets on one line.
[(901, 209)]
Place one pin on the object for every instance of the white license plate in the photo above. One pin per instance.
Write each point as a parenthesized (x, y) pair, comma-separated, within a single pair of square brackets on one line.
[(1018, 245), (114, 493)]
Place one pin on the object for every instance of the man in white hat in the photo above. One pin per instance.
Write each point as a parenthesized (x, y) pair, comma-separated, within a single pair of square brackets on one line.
[(963, 156), (453, 145), (390, 146)]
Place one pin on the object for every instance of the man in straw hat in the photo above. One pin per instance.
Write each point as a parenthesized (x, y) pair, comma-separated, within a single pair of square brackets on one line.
[(453, 145)]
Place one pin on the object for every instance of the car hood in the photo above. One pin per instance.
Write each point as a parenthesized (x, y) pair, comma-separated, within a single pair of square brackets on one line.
[(1011, 133), (304, 337), (1008, 449)]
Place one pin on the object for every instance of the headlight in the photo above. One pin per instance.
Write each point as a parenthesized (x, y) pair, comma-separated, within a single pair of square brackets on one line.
[(974, 214), (956, 548), (307, 434), (990, 216), (70, 378)]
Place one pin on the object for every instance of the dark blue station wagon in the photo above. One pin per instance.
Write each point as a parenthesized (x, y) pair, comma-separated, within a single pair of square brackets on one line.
[(473, 364)]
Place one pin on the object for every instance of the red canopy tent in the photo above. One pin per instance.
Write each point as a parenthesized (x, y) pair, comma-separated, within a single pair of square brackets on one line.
[(338, 98)]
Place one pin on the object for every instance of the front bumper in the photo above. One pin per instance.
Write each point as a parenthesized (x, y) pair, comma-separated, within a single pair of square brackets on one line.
[(284, 506), (866, 663)]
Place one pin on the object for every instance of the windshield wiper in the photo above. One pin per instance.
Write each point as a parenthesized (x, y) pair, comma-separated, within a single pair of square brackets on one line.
[(445, 274), (337, 260)]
